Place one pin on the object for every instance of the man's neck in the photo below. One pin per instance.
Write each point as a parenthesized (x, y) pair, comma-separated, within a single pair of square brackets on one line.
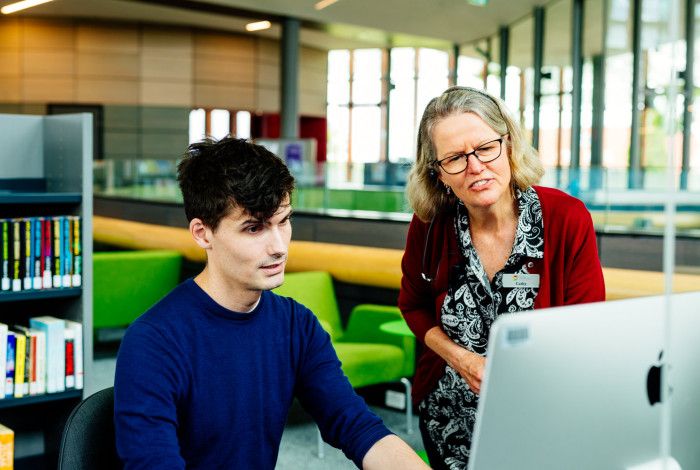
[(225, 295)]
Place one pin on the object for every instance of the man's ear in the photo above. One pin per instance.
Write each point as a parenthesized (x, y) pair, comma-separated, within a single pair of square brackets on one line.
[(200, 233)]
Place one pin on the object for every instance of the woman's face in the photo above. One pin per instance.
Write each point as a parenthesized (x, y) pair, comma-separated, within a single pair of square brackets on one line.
[(481, 185)]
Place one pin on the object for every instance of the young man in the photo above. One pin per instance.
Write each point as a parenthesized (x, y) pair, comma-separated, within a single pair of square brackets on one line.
[(206, 377)]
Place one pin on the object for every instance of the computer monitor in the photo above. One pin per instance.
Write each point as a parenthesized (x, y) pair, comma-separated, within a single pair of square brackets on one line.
[(567, 388), (684, 379)]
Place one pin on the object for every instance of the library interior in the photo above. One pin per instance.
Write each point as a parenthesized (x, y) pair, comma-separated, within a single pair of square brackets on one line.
[(381, 112)]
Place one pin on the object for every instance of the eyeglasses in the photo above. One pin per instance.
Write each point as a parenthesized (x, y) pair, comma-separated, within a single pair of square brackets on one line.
[(486, 153)]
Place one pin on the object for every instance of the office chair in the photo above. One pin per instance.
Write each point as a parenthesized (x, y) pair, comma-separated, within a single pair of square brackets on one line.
[(88, 441)]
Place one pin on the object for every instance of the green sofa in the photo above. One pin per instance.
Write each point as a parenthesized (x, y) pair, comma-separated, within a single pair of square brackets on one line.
[(126, 284), (368, 355)]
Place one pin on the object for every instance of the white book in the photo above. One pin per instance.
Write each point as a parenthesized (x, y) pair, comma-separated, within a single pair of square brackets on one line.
[(3, 354), (77, 329), (55, 351)]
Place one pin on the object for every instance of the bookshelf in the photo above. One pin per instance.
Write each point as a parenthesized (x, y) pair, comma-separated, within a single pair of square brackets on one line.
[(46, 164)]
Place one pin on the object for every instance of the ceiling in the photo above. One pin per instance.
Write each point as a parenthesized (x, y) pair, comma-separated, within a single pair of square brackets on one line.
[(344, 24)]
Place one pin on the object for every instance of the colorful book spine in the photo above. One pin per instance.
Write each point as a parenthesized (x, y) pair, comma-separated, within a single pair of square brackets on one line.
[(7, 448), (37, 257), (77, 334), (46, 234), (32, 359), (28, 259), (5, 250), (10, 364), (21, 351), (40, 361), (77, 253), (16, 256), (3, 354), (67, 253), (70, 358), (56, 252)]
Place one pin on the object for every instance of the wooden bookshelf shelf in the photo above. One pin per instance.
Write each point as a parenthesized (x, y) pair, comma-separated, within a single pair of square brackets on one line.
[(11, 197), (9, 296), (44, 398)]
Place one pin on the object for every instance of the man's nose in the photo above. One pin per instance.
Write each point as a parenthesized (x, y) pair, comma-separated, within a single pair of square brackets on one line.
[(277, 243)]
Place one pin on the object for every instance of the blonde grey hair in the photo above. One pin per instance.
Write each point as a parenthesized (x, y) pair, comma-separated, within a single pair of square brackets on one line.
[(425, 195)]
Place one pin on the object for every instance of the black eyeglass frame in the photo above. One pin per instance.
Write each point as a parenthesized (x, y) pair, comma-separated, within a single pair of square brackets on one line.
[(472, 153)]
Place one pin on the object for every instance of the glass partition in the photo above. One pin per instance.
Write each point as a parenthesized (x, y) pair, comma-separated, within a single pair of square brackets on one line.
[(380, 187)]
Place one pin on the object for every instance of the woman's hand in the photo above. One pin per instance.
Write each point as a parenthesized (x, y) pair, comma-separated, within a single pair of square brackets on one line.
[(469, 365)]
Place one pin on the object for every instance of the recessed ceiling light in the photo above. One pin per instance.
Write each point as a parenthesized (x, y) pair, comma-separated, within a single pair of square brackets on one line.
[(258, 26), (324, 3), (24, 4), (478, 3)]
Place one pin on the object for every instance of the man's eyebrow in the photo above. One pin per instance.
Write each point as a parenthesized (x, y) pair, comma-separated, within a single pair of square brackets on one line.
[(252, 220)]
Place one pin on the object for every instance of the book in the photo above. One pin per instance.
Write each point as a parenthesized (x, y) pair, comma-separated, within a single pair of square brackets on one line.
[(7, 448), (77, 253), (40, 361), (56, 252), (5, 253), (16, 256), (37, 257), (3, 354), (47, 245), (77, 333), (66, 252), (54, 329), (28, 261), (10, 364), (70, 358), (21, 355), (29, 385)]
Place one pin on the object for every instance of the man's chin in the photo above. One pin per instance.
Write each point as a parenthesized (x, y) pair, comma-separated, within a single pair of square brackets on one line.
[(273, 282)]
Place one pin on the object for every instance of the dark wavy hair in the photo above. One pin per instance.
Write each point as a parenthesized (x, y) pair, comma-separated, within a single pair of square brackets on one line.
[(218, 176)]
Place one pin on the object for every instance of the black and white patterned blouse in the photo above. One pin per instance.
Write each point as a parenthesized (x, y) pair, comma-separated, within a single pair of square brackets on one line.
[(468, 311)]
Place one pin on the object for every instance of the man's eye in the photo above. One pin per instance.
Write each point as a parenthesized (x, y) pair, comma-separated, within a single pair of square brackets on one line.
[(253, 228)]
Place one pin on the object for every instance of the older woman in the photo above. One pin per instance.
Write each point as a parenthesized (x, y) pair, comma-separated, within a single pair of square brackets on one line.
[(484, 241)]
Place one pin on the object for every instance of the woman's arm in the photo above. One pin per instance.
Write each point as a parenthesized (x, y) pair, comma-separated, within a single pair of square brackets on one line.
[(467, 363), (416, 300)]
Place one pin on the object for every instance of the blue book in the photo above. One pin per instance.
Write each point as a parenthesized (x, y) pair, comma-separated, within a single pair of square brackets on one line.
[(66, 252), (10, 365)]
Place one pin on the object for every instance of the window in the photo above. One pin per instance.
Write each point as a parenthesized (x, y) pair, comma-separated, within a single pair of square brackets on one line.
[(218, 123)]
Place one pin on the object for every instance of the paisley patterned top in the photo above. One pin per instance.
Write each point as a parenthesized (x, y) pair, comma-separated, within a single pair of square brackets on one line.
[(468, 311)]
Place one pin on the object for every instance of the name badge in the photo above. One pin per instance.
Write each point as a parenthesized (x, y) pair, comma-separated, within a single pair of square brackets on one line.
[(523, 280)]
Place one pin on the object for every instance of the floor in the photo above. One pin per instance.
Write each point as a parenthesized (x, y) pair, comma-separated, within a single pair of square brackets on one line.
[(298, 449)]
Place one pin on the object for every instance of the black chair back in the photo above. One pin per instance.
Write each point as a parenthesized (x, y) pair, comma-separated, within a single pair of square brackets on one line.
[(88, 439)]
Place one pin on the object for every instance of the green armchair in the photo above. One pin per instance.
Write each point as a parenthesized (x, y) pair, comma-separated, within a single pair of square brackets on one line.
[(126, 284), (368, 355)]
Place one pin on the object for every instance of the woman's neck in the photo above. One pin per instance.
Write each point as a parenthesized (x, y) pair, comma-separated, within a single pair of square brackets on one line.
[(496, 218)]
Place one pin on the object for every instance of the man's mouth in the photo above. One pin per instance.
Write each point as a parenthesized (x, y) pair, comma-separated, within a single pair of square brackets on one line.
[(273, 265)]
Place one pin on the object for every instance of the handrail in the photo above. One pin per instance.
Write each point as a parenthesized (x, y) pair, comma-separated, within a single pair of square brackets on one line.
[(368, 266)]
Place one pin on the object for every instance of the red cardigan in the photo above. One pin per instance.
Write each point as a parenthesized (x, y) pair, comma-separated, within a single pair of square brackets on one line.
[(570, 272)]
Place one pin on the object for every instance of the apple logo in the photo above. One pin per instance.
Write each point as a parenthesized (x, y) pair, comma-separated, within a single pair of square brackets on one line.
[(654, 382)]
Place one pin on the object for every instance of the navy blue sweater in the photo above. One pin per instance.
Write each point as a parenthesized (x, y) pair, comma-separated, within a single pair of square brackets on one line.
[(200, 386)]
